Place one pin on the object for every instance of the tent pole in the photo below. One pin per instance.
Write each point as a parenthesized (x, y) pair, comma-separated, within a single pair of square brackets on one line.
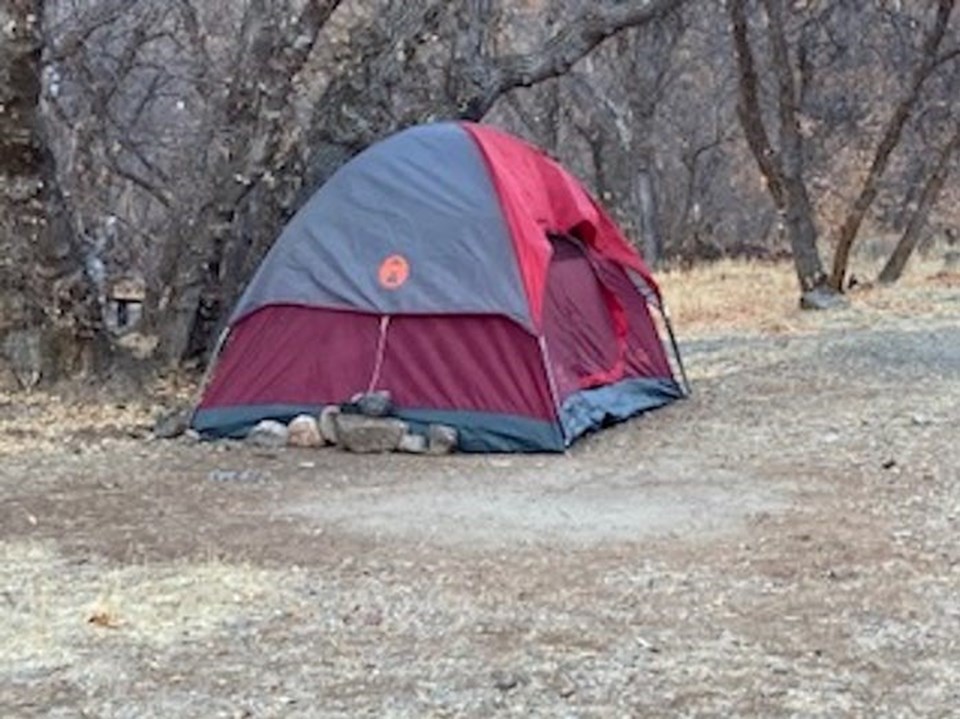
[(653, 299), (208, 372), (676, 348)]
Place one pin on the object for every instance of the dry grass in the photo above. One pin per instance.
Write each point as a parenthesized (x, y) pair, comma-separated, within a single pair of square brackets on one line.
[(43, 420), (753, 297), (731, 295), (52, 613)]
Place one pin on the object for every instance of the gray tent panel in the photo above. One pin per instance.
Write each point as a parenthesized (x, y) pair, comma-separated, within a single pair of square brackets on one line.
[(411, 225)]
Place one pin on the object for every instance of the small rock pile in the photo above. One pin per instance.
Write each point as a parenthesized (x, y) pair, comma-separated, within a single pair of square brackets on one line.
[(363, 425)]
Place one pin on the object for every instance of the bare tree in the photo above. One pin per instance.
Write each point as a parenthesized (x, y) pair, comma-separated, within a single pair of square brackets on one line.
[(928, 62), (616, 119), (932, 188), (646, 122), (180, 135), (247, 123), (781, 168)]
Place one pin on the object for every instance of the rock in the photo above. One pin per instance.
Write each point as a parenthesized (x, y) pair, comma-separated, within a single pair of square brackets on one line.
[(413, 444), (172, 423), (373, 618), (268, 433), (564, 685), (951, 260), (249, 476), (139, 345), (441, 439), (506, 680), (8, 378), (374, 404), (23, 351), (365, 435), (822, 298), (304, 431), (328, 423)]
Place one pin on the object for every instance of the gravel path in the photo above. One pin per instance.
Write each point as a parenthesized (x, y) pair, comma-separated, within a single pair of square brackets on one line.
[(785, 543)]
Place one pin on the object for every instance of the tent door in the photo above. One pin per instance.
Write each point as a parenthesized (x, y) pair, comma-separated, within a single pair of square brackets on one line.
[(584, 323)]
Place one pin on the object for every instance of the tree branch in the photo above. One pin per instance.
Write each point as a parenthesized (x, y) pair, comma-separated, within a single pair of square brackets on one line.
[(748, 105), (928, 198), (791, 155), (565, 48), (81, 28)]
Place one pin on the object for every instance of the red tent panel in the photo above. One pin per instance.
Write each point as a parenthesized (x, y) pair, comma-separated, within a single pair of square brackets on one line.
[(286, 354), (291, 355), (538, 196), (472, 363)]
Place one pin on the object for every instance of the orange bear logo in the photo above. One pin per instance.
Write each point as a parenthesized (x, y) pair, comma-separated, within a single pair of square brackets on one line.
[(394, 271)]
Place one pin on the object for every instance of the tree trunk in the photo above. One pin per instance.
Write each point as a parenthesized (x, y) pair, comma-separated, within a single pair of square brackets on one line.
[(928, 198), (257, 110), (50, 321), (888, 143), (782, 170), (798, 210), (650, 233)]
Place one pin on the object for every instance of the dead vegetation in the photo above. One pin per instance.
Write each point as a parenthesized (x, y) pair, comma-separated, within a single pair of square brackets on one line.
[(757, 297)]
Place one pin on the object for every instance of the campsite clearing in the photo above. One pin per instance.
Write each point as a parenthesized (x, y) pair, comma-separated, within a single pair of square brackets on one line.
[(786, 542)]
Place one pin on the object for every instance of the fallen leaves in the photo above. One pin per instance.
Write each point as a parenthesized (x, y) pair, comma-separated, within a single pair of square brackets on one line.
[(104, 619)]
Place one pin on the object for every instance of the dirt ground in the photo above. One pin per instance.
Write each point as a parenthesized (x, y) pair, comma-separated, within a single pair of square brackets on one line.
[(784, 543)]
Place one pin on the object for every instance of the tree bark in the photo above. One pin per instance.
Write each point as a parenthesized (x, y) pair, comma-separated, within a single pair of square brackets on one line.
[(897, 262), (781, 169), (50, 321), (798, 210), (649, 219), (888, 143)]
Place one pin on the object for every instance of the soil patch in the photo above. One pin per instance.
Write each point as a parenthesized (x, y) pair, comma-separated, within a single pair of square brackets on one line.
[(783, 543)]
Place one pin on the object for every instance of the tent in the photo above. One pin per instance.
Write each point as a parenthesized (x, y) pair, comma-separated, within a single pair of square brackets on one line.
[(466, 273)]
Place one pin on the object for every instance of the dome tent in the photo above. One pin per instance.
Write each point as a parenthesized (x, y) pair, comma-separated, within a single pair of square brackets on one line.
[(466, 273)]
